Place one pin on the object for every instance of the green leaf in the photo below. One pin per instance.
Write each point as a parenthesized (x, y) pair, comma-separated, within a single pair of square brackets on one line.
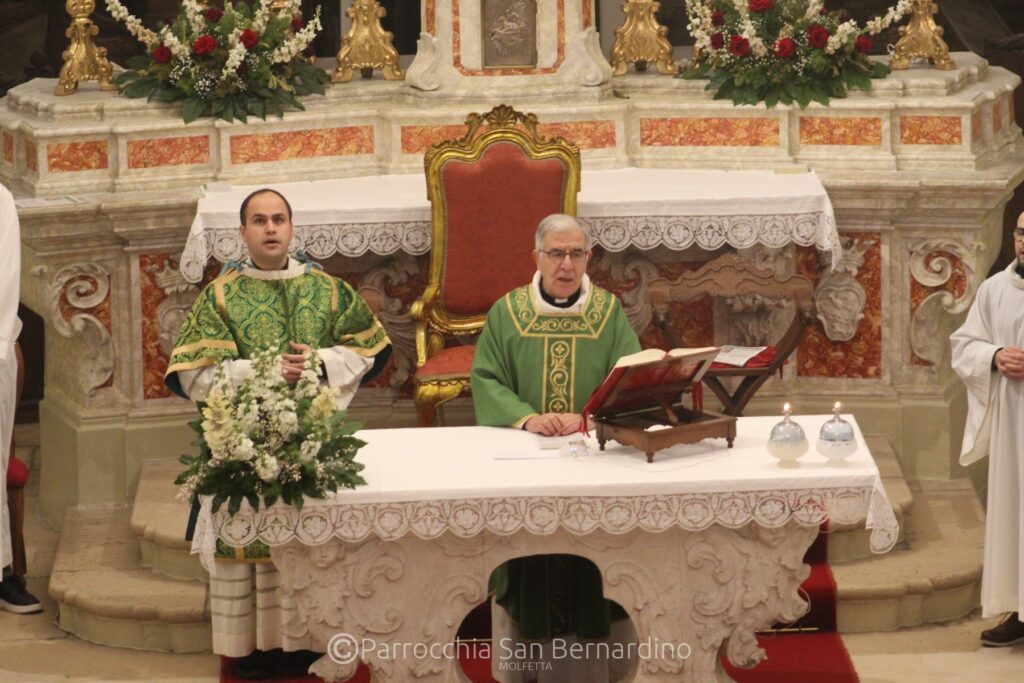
[(193, 110), (138, 62), (240, 106), (254, 500), (234, 505), (143, 87), (218, 500), (771, 99), (227, 112)]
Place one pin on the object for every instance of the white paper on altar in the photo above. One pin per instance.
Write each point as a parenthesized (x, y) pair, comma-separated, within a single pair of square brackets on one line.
[(638, 207), (465, 491)]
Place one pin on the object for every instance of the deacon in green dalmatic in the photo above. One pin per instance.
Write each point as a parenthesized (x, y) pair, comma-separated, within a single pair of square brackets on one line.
[(544, 348), (271, 301)]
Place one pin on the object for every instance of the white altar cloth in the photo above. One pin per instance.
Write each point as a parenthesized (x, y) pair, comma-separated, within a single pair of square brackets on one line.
[(641, 207), (426, 482)]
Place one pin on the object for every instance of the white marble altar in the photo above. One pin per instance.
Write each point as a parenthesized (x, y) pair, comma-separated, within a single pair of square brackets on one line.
[(702, 547)]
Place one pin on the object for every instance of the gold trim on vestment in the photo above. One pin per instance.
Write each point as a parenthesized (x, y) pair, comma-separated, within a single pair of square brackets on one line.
[(373, 351), (218, 291), (360, 336), (518, 424), (190, 365), (226, 344)]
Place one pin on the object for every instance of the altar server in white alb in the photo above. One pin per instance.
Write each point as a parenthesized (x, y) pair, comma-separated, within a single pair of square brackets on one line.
[(13, 596), (988, 355)]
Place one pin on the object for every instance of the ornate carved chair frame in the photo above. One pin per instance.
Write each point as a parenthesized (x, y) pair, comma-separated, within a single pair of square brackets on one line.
[(436, 322), (731, 275)]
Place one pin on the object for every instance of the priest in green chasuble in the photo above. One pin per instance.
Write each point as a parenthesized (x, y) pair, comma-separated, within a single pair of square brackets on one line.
[(544, 348), (292, 306)]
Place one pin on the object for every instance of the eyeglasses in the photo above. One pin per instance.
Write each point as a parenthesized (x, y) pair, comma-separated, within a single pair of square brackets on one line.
[(557, 255), (1018, 234)]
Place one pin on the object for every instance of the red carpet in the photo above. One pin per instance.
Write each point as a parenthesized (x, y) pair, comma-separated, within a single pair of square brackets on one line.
[(807, 657)]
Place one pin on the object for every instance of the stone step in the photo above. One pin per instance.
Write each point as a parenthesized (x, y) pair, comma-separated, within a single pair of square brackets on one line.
[(159, 520), (106, 596), (849, 542), (934, 577)]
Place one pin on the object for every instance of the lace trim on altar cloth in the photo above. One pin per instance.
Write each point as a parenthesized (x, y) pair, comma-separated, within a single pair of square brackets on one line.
[(614, 233), (318, 523)]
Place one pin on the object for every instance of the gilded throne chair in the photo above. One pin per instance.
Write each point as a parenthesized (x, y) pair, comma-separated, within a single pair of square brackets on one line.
[(488, 190)]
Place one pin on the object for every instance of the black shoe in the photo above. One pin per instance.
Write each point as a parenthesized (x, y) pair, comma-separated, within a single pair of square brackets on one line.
[(1009, 632), (14, 597), (255, 665)]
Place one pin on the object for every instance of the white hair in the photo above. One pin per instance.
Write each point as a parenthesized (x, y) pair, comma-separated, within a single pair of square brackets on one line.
[(559, 222)]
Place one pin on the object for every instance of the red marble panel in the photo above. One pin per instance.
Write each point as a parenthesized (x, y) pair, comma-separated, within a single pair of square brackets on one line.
[(588, 13), (976, 126), (956, 285), (512, 71), (418, 139), (997, 116), (930, 130), (302, 144), (101, 311), (154, 359), (76, 156), (847, 130), (8, 141), (709, 132), (31, 156), (1011, 105), (861, 357), (430, 9), (176, 151), (584, 134)]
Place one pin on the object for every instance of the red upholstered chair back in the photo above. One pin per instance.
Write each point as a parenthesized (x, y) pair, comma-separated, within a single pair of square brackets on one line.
[(488, 191), (493, 207)]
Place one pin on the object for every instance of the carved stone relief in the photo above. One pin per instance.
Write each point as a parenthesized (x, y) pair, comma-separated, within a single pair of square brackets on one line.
[(393, 313), (932, 320), (172, 311), (82, 286), (839, 299)]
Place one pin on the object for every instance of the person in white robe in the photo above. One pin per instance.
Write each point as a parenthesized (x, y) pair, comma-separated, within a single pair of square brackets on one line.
[(988, 356), (13, 595)]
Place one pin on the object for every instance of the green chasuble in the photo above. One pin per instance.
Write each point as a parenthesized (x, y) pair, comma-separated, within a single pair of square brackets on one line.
[(246, 309), (528, 362)]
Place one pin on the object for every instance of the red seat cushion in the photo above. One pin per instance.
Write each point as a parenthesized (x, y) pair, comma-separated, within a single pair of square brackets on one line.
[(455, 361), (17, 473)]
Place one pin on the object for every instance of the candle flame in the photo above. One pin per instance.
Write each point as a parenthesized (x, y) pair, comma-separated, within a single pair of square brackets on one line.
[(837, 406), (785, 407)]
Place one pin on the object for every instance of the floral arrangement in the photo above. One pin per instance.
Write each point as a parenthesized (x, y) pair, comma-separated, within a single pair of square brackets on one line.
[(269, 439), (229, 63), (785, 51)]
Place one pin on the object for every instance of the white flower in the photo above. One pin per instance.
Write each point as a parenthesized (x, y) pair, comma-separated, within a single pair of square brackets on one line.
[(194, 14), (297, 42), (236, 54), (134, 26), (309, 449), (267, 467)]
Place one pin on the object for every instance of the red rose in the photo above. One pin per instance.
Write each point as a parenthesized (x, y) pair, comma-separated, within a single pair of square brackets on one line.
[(297, 23), (161, 54), (738, 45), (718, 18), (761, 6), (249, 38), (213, 14), (863, 44), (785, 48), (204, 45), (817, 35), (717, 41), (823, 11)]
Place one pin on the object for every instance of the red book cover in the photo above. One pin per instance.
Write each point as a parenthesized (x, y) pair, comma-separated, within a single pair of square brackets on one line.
[(640, 379)]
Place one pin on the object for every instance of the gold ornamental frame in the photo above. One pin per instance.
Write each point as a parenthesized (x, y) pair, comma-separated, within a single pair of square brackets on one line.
[(642, 40), (433, 323), (83, 61), (367, 46), (921, 39)]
